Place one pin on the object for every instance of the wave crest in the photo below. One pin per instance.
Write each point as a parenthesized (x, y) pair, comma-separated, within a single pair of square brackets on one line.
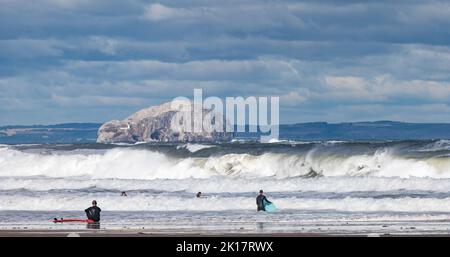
[(125, 163)]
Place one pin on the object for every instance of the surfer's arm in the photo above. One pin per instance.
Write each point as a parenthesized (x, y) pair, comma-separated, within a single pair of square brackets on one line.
[(88, 213), (267, 201)]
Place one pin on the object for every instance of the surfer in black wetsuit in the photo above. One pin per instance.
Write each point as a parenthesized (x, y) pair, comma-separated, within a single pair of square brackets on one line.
[(93, 212), (261, 200)]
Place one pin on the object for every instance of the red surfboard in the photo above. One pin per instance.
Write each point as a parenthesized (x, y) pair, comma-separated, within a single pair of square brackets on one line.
[(55, 220)]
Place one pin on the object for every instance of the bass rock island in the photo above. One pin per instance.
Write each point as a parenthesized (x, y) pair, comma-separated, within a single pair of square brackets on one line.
[(153, 124)]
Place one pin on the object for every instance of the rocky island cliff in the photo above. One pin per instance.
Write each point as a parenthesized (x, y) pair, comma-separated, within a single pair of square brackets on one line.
[(153, 124)]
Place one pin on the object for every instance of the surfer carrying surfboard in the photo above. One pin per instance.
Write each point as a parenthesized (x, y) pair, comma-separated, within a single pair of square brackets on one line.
[(93, 212), (261, 201)]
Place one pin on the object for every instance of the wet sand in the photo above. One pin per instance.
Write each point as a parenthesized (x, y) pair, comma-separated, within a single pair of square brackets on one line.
[(115, 233), (140, 233), (169, 233)]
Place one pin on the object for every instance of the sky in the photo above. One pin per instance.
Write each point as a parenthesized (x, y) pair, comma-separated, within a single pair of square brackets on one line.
[(335, 61)]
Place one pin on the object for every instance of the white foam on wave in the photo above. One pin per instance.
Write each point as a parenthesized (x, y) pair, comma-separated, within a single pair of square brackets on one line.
[(145, 164), (215, 203), (194, 147), (240, 140), (114, 163), (275, 141), (130, 144), (232, 185), (440, 145)]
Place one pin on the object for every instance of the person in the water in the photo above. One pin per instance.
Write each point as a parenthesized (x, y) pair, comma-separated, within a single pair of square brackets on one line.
[(93, 212), (199, 194), (261, 200)]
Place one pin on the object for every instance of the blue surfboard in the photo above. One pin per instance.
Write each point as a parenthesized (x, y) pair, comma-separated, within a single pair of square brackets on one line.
[(270, 207)]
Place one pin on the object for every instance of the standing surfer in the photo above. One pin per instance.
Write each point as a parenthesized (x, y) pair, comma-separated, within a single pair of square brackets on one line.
[(261, 201), (93, 212)]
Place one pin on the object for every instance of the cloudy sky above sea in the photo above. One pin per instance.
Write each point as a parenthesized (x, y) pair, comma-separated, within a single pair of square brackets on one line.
[(93, 61)]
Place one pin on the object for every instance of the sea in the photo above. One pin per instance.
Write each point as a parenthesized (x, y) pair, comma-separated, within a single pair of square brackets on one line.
[(333, 187)]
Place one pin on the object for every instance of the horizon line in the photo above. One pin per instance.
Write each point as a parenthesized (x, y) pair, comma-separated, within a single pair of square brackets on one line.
[(281, 124)]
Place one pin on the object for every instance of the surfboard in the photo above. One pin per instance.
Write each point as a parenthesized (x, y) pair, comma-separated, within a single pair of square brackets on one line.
[(270, 207), (55, 220)]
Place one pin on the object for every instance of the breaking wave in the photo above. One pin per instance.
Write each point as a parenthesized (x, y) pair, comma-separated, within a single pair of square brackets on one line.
[(341, 176), (130, 163)]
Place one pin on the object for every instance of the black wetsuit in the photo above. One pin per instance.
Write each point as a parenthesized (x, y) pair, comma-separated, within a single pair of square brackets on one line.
[(260, 200), (93, 213)]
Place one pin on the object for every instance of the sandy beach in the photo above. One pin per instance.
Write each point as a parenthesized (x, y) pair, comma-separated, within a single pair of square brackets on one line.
[(202, 233), (147, 233)]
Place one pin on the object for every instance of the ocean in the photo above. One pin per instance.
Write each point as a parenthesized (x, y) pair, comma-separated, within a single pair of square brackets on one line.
[(317, 186)]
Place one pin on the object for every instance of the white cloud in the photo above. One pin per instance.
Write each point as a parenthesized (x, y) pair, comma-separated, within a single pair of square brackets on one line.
[(97, 101), (103, 44), (194, 70), (346, 83), (294, 98), (68, 4), (227, 17), (159, 12), (386, 88)]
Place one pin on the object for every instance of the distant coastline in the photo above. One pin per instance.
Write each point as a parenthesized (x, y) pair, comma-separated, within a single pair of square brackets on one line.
[(65, 133), (313, 131)]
